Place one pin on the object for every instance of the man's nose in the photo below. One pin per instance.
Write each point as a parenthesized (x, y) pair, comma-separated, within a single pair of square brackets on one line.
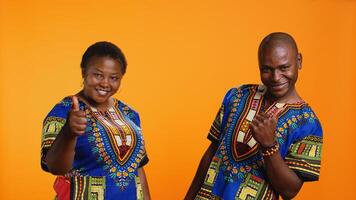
[(276, 75)]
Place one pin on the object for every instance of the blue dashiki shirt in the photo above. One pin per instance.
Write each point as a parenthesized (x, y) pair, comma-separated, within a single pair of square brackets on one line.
[(237, 169), (106, 156)]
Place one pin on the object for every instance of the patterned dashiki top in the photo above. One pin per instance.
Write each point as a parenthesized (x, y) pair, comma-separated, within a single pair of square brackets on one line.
[(237, 169), (106, 156)]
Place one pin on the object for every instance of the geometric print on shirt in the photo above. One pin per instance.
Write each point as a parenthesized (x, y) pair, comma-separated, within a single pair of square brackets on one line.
[(304, 158), (125, 171), (97, 167), (296, 132)]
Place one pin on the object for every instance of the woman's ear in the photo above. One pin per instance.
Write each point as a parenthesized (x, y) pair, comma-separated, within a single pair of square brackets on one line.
[(83, 73)]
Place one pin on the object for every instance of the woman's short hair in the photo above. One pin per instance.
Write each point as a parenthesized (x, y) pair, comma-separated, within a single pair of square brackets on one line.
[(103, 49)]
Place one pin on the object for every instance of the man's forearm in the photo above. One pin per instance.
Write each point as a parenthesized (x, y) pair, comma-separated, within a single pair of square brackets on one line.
[(201, 172), (282, 179)]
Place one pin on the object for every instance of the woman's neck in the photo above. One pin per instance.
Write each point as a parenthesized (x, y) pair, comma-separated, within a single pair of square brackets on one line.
[(99, 106)]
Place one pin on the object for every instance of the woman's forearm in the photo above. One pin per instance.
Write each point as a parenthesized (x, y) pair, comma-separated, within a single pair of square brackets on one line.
[(60, 156), (144, 183)]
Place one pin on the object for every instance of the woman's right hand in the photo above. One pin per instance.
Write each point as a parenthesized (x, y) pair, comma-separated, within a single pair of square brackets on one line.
[(60, 156), (77, 119)]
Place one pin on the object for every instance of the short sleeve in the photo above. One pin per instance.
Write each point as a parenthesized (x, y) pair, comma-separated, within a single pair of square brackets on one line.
[(130, 113), (52, 125), (304, 155), (216, 129), (135, 118)]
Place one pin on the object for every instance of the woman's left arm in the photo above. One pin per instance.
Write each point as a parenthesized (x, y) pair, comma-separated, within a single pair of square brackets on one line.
[(144, 183)]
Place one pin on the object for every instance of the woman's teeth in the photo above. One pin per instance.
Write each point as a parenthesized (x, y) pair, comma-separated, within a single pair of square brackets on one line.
[(102, 92)]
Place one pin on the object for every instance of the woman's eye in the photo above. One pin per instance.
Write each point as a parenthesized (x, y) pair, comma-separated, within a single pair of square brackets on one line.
[(97, 75)]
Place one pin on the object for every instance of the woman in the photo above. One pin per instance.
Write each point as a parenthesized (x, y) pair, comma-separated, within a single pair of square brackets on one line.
[(92, 141)]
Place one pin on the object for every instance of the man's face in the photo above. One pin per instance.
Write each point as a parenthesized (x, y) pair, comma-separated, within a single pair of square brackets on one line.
[(279, 64)]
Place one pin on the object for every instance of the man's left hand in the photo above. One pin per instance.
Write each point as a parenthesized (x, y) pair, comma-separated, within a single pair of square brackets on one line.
[(263, 127)]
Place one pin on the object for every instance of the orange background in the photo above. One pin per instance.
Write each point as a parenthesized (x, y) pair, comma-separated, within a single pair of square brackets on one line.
[(183, 56)]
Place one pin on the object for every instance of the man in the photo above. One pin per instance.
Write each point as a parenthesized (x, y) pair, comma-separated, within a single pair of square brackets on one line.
[(266, 141)]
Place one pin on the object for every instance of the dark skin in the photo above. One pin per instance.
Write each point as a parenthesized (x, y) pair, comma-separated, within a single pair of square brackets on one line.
[(279, 63), (60, 156), (282, 179), (101, 80), (201, 172)]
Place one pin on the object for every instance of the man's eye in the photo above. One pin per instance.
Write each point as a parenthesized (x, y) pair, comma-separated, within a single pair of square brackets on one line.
[(284, 68), (114, 78), (265, 69)]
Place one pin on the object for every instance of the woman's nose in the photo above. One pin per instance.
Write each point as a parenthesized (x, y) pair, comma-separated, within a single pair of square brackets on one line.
[(104, 82)]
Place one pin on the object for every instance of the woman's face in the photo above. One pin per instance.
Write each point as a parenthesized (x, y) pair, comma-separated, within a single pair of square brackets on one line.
[(102, 79)]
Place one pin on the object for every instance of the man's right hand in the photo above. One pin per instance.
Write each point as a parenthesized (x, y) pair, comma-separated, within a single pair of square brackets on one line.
[(77, 119)]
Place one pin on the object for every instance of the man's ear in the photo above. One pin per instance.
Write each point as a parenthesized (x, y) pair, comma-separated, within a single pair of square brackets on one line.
[(299, 60)]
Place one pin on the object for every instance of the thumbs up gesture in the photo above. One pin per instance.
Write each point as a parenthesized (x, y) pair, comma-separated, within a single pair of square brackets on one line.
[(77, 119)]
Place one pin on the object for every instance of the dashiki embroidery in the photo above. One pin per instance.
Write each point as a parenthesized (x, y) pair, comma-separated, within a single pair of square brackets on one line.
[(106, 156), (237, 170)]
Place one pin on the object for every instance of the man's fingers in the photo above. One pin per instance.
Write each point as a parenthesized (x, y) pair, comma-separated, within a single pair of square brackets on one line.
[(75, 105), (261, 117), (274, 119), (264, 115), (253, 125)]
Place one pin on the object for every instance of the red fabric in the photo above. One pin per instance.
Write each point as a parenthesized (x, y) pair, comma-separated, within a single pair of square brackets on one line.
[(62, 188)]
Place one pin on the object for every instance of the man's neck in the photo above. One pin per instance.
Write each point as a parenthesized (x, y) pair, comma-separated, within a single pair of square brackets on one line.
[(288, 99)]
